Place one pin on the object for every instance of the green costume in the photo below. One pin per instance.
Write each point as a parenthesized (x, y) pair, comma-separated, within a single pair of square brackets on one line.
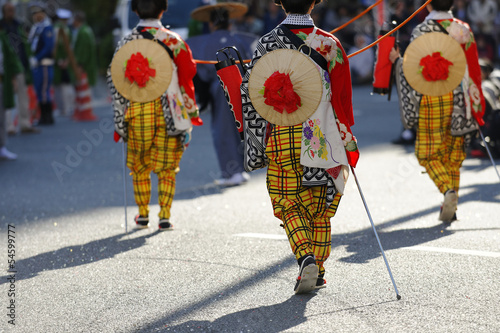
[(12, 66), (85, 52)]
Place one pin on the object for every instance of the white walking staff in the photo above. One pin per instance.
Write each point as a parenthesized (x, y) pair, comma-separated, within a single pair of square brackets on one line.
[(125, 184), (376, 235), (489, 153)]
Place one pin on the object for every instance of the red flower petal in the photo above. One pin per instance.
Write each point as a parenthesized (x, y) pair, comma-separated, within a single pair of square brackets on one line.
[(138, 70), (435, 67), (279, 93)]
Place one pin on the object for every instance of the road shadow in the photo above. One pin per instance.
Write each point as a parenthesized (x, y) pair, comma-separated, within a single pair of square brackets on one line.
[(481, 192), (270, 319), (254, 318), (363, 245), (78, 255), (483, 163)]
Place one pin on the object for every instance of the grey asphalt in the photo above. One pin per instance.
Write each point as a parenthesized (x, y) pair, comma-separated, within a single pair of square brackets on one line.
[(227, 266)]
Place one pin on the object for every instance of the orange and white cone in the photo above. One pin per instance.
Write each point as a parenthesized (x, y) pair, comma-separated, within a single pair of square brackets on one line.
[(33, 104), (83, 101)]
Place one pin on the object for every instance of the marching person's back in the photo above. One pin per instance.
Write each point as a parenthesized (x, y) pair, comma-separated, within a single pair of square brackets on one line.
[(444, 120), (157, 130), (307, 152)]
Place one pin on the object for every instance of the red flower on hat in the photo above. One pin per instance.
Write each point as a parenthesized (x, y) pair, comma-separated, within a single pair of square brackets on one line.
[(279, 93), (435, 67), (138, 70)]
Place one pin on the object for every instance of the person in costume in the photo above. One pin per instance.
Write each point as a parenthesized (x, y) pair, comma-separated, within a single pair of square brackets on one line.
[(155, 141), (41, 38), (10, 66), (445, 123), (307, 163), (226, 139), (17, 39), (491, 130), (491, 91), (84, 48), (63, 87)]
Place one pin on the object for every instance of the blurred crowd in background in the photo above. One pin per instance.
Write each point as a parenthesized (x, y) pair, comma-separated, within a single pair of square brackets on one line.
[(46, 69), (482, 15)]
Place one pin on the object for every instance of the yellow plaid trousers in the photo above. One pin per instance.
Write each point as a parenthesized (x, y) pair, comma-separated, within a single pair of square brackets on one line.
[(440, 153), (150, 148), (302, 209)]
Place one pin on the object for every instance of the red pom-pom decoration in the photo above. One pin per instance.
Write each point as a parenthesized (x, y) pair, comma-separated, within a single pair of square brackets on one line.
[(279, 93), (138, 70), (435, 67)]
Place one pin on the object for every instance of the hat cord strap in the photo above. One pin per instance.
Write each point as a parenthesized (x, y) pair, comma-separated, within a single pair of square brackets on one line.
[(148, 35), (443, 30)]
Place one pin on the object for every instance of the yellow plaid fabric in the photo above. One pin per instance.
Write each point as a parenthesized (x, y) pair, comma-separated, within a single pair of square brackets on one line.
[(303, 210), (150, 148), (440, 153)]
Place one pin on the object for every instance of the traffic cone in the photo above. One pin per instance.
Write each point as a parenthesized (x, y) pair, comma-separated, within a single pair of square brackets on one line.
[(33, 104), (83, 101)]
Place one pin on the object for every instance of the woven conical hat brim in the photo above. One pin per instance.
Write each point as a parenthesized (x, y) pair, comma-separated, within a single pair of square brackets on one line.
[(158, 60), (306, 80), (425, 45), (235, 10)]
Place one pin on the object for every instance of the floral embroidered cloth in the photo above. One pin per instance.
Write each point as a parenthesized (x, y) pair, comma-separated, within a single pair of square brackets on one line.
[(338, 88), (474, 99), (184, 61), (325, 140), (340, 97), (182, 101)]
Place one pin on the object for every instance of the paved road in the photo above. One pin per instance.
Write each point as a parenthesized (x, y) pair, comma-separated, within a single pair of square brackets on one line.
[(227, 266)]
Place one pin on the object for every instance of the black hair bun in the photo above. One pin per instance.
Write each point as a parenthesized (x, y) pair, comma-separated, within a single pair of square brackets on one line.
[(278, 2)]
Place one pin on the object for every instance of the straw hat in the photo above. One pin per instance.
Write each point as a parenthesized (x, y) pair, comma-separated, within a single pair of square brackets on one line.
[(304, 76), (235, 10), (155, 84), (427, 45)]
